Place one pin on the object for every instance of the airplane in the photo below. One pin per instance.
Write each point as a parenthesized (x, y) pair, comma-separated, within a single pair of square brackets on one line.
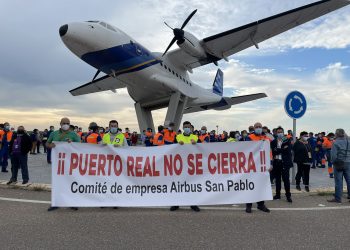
[(158, 80)]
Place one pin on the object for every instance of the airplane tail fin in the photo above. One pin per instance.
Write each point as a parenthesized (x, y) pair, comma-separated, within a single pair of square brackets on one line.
[(218, 87)]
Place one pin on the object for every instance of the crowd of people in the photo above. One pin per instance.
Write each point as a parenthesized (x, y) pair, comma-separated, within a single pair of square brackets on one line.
[(307, 150)]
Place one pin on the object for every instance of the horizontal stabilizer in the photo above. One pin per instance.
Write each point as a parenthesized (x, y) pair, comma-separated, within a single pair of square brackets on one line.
[(225, 103), (101, 84)]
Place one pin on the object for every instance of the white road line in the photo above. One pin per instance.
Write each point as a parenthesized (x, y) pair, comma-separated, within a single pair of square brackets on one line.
[(24, 200), (340, 207)]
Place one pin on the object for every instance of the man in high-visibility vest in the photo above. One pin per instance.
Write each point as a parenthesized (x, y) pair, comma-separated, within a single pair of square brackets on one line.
[(127, 136), (6, 137), (114, 137), (93, 137), (186, 138), (258, 135), (170, 134), (232, 137), (327, 145), (149, 138), (158, 139), (204, 137)]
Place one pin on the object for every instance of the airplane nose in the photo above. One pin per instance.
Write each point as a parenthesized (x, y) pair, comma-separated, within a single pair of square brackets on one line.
[(63, 29)]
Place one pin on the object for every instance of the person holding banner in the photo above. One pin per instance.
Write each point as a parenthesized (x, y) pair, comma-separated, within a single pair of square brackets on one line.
[(158, 139), (282, 162), (62, 135), (93, 137), (258, 135), (114, 136), (186, 138)]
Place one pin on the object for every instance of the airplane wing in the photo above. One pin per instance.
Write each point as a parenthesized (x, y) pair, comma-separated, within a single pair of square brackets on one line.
[(232, 41), (101, 84), (225, 103)]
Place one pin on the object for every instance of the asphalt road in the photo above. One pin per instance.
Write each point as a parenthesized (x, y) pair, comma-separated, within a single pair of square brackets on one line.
[(29, 226)]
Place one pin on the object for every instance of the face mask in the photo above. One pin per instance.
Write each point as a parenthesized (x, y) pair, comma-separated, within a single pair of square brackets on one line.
[(65, 127), (258, 131), (7, 128), (20, 132), (101, 131), (280, 135), (75, 130), (170, 128), (244, 135), (305, 138), (187, 130), (113, 130), (52, 129), (203, 132), (238, 137)]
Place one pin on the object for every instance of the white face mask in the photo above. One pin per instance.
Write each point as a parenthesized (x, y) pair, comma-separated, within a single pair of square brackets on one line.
[(113, 130), (170, 128), (65, 127), (305, 138), (258, 131)]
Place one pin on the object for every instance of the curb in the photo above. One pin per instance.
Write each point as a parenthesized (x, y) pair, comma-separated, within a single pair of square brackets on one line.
[(29, 186), (47, 188)]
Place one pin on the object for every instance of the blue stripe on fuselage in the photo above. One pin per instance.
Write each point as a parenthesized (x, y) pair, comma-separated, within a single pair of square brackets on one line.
[(122, 59)]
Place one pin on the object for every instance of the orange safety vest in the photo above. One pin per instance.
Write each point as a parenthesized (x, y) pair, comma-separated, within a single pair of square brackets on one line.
[(156, 140), (80, 133), (8, 135), (327, 143), (255, 137), (202, 137), (92, 138), (127, 135), (169, 137), (102, 134)]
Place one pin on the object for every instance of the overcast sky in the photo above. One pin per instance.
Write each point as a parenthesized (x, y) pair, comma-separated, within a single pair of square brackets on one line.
[(37, 70)]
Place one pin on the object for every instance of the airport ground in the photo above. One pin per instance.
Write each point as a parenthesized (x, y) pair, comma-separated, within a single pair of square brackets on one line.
[(308, 223)]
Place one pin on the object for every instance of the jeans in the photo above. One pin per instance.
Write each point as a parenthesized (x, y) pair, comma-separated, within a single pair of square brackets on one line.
[(19, 161), (48, 155), (4, 155), (338, 181)]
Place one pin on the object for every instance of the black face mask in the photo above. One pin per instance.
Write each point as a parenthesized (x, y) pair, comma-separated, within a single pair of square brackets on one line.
[(20, 132)]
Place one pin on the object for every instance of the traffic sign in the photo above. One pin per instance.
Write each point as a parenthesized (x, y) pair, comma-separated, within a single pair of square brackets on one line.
[(295, 104)]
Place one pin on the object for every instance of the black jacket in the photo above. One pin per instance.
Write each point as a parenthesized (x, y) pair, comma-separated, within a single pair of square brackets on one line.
[(285, 151), (26, 143), (302, 152)]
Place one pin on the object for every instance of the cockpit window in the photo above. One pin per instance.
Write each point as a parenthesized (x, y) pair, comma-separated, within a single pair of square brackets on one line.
[(110, 27), (103, 24)]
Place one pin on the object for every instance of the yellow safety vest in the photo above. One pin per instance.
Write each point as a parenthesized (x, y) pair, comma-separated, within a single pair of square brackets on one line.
[(119, 139), (186, 139), (231, 140)]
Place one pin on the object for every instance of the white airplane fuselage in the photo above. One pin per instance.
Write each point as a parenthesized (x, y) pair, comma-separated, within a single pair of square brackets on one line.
[(148, 77)]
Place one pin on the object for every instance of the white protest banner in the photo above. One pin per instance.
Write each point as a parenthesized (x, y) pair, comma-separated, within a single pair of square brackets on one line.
[(87, 175)]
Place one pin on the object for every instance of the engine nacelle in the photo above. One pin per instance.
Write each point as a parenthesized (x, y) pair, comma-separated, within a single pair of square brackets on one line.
[(195, 49)]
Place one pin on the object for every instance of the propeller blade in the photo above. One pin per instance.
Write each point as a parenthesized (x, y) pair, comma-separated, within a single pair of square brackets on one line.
[(98, 72), (171, 44), (168, 25), (189, 41), (188, 19)]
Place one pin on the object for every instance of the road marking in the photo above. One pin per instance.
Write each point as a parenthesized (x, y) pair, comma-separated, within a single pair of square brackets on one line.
[(205, 208), (24, 200)]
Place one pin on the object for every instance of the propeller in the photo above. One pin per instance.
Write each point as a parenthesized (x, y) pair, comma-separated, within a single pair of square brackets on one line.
[(179, 34)]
